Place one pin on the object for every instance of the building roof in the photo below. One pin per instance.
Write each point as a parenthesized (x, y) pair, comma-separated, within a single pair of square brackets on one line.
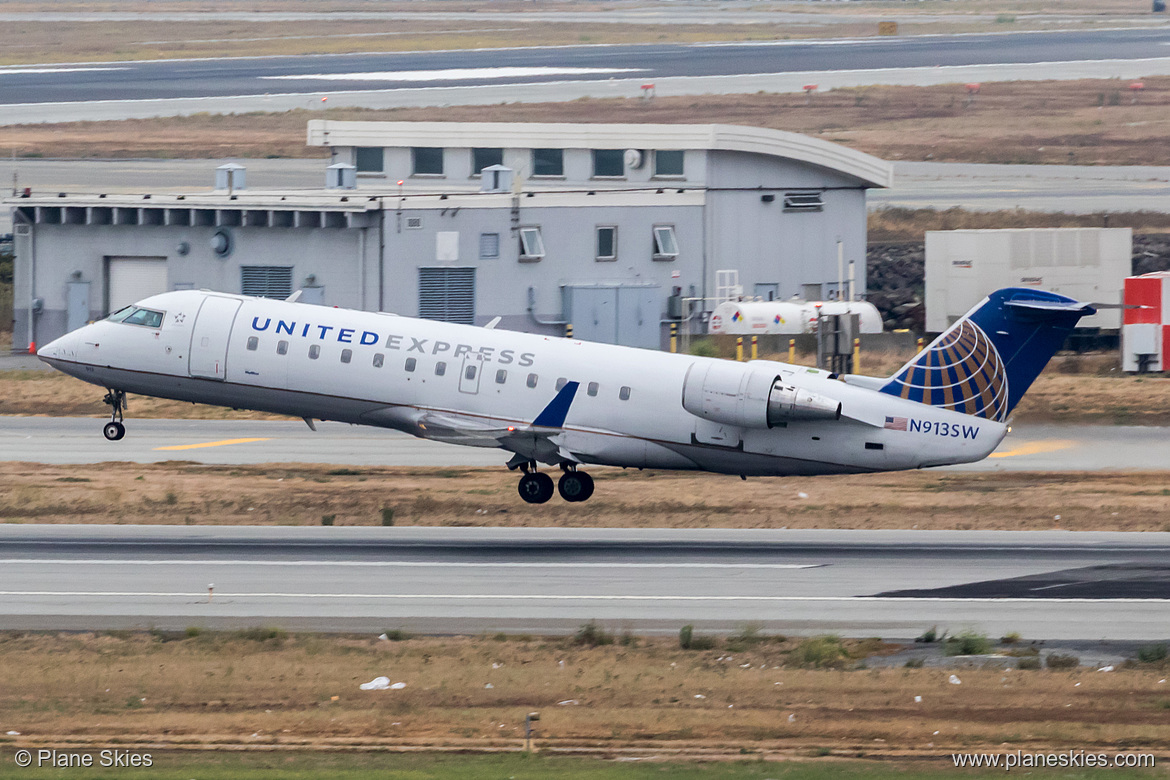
[(871, 170)]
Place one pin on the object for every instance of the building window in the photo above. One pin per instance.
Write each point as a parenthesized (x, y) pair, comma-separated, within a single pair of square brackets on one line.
[(608, 163), (368, 159), (668, 163), (379, 359), (253, 342), (607, 242), (447, 294), (440, 368), (314, 352), (501, 376), (665, 245), (548, 162), (346, 355), (282, 347), (531, 243), (489, 246), (427, 160), (411, 364), (624, 393), (482, 158), (803, 201), (266, 281), (532, 380), (593, 388), (561, 382)]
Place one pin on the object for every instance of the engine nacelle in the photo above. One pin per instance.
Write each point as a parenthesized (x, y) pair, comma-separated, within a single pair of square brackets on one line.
[(747, 396)]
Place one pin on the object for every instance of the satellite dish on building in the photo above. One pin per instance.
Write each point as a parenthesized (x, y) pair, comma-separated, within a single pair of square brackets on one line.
[(634, 158), (221, 242)]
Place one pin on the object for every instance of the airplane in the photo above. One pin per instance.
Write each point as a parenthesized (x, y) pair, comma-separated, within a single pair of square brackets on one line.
[(567, 403)]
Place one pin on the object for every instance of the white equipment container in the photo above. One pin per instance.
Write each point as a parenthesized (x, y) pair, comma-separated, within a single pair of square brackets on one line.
[(761, 318)]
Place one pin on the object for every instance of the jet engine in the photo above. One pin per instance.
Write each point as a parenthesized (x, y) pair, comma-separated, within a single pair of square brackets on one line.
[(750, 396)]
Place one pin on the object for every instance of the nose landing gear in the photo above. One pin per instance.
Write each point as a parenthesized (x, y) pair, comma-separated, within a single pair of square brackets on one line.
[(114, 429)]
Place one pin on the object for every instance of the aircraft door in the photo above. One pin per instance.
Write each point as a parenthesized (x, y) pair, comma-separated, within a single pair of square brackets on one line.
[(469, 377), (209, 337)]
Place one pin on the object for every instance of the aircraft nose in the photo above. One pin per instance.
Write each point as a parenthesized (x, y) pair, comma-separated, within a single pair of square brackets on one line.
[(60, 349)]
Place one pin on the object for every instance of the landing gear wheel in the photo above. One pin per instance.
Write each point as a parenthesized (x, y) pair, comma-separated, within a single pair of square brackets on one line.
[(535, 488), (116, 400), (114, 431), (575, 486)]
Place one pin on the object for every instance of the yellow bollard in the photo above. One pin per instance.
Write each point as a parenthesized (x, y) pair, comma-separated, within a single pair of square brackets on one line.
[(569, 331), (755, 348), (674, 337), (791, 350), (857, 356), (739, 348), (919, 343)]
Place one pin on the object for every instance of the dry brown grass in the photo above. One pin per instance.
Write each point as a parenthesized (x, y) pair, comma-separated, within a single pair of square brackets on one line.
[(303, 690), (1012, 122), (177, 493)]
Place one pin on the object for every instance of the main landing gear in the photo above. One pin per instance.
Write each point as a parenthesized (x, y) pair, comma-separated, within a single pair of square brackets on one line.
[(114, 429), (537, 488)]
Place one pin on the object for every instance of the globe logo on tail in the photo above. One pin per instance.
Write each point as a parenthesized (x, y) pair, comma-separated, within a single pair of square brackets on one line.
[(961, 371)]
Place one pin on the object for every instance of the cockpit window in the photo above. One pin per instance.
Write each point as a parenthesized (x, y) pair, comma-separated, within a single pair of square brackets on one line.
[(145, 317), (121, 314)]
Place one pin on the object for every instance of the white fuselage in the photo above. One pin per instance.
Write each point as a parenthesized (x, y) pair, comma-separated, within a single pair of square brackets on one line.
[(460, 383)]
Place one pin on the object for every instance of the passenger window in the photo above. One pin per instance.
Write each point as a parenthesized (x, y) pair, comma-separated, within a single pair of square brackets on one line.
[(469, 372), (624, 393), (410, 364), (346, 355), (501, 376), (253, 342), (532, 380), (282, 347), (379, 359), (593, 386), (440, 368), (314, 352), (561, 382)]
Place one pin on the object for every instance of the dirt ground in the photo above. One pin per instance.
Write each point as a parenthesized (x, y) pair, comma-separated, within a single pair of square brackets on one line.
[(271, 27), (262, 689), (1091, 122), (177, 493)]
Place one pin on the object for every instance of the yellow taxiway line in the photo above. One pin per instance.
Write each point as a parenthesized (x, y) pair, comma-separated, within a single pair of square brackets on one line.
[(1035, 448), (223, 443)]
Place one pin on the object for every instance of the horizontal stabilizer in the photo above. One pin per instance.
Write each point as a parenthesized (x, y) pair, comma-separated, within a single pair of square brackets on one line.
[(1084, 309)]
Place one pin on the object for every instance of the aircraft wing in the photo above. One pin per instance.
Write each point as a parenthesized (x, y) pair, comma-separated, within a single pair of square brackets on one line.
[(539, 441)]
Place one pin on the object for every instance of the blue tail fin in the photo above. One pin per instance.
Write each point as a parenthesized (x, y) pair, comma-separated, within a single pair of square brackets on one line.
[(984, 363)]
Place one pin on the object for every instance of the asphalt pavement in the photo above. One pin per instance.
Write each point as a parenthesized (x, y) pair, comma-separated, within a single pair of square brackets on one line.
[(462, 580)]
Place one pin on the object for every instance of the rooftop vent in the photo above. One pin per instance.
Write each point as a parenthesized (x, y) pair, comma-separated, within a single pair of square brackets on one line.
[(230, 177), (341, 176), (496, 178)]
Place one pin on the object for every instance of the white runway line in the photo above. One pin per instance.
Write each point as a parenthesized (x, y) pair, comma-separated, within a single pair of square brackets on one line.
[(451, 74), (535, 597), (416, 564)]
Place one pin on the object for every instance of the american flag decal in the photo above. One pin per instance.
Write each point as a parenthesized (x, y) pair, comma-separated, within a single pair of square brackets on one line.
[(895, 423)]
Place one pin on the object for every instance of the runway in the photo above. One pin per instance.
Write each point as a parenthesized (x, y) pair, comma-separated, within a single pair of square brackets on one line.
[(118, 90), (892, 584), (78, 440)]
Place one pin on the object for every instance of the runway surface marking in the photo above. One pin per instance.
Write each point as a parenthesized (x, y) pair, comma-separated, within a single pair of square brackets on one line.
[(450, 74), (202, 595), (1036, 448), (19, 71), (223, 443), (419, 564)]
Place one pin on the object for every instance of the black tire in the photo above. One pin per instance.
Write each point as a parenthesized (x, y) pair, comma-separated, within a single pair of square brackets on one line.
[(535, 488), (114, 431), (575, 486)]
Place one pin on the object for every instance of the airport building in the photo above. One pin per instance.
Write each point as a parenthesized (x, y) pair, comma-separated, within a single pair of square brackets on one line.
[(613, 230)]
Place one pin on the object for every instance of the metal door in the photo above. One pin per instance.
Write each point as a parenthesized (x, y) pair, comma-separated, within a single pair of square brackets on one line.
[(77, 310), (470, 375), (209, 337)]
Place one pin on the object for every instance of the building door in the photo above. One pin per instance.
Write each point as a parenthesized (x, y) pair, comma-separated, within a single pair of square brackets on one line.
[(130, 279), (209, 337), (77, 308), (470, 377)]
